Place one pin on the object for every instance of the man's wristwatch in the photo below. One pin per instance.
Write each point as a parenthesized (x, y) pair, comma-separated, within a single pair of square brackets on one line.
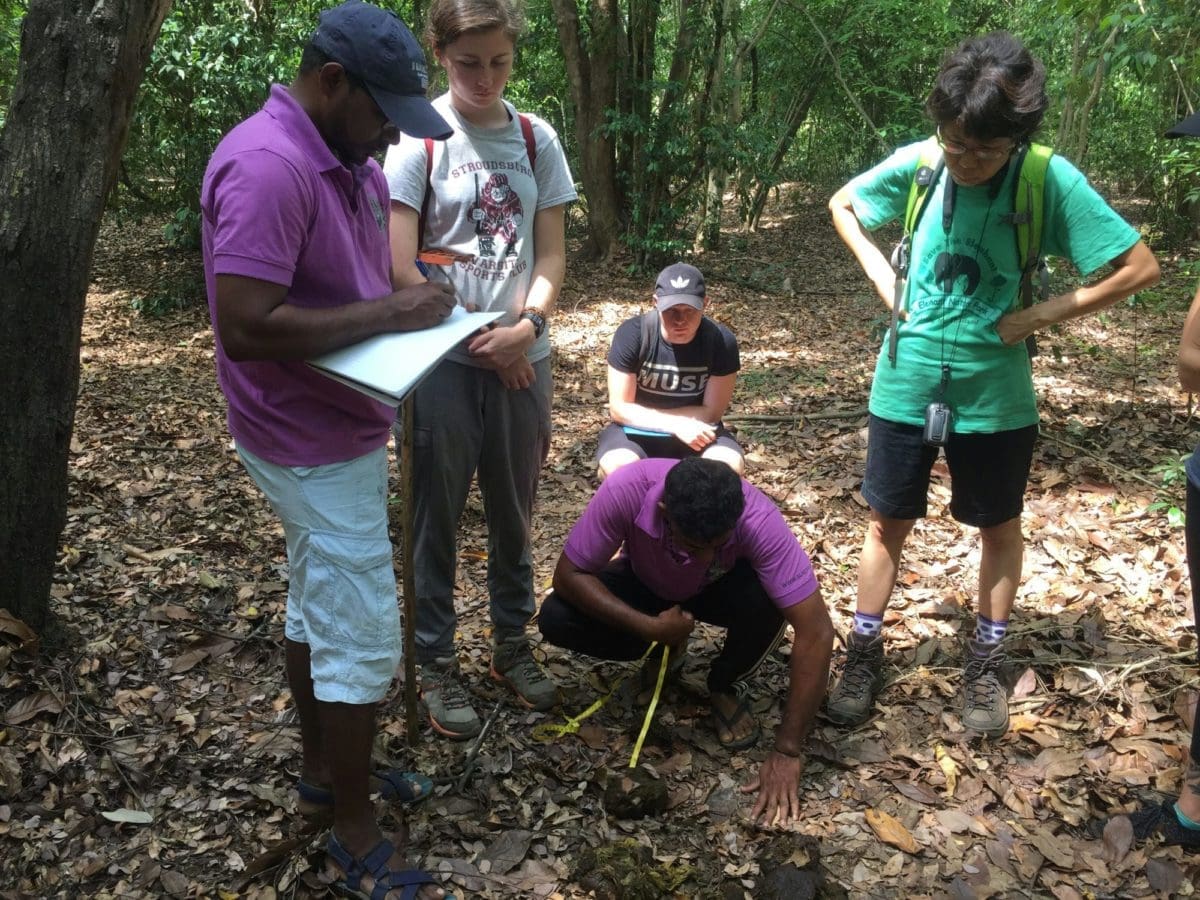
[(538, 320)]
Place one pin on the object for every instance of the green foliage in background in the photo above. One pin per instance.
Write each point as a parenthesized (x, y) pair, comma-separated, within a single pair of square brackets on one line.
[(212, 66), (758, 93), (12, 13)]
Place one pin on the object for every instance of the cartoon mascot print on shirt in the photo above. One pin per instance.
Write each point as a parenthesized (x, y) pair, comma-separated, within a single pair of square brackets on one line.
[(497, 212)]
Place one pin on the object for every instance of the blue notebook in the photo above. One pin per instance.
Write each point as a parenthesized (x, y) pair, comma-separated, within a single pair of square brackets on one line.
[(644, 432)]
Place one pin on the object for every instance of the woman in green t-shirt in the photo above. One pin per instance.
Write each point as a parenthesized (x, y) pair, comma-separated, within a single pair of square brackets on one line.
[(957, 375)]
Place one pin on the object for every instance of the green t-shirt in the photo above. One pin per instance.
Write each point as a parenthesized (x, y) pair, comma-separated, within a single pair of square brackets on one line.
[(962, 282)]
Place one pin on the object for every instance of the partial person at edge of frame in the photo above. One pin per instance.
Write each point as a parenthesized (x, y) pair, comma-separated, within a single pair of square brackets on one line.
[(1178, 821), (954, 373)]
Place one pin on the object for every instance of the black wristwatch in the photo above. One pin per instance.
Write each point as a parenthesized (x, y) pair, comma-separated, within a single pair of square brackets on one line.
[(538, 320)]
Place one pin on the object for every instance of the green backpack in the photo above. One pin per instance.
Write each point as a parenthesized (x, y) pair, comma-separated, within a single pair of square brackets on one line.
[(1029, 188)]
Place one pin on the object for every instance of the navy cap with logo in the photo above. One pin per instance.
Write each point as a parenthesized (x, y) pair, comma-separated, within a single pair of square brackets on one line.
[(679, 283), (1189, 127), (375, 46)]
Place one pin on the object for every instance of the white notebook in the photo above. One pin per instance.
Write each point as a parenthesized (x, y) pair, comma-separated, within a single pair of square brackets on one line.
[(388, 366)]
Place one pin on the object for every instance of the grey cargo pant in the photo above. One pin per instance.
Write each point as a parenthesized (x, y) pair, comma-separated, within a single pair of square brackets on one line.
[(467, 423)]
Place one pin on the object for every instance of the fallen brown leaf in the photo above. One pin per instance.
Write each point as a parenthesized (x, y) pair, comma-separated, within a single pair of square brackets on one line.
[(28, 707), (1164, 876), (1118, 838), (890, 831), (11, 625)]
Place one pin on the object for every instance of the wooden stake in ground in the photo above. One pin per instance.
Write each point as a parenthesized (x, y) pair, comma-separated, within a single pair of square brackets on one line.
[(408, 582)]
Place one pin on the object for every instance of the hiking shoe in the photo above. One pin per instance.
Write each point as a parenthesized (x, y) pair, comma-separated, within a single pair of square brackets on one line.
[(1154, 820), (850, 702), (445, 699), (985, 701), (513, 664)]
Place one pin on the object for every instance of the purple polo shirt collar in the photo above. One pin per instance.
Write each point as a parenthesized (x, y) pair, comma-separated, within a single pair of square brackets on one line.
[(284, 108), (624, 513), (650, 518)]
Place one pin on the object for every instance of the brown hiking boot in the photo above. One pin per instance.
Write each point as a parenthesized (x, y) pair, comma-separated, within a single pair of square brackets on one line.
[(445, 699), (850, 702), (985, 700), (513, 664)]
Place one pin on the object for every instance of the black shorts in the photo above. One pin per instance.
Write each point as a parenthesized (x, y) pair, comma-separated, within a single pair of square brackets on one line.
[(988, 472), (614, 437)]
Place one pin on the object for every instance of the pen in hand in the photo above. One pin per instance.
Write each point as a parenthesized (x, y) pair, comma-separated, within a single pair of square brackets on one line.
[(434, 256)]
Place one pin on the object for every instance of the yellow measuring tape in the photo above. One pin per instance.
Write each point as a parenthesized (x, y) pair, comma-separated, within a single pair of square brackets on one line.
[(551, 732)]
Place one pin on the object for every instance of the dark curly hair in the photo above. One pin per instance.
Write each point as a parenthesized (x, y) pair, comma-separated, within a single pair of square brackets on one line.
[(992, 87), (703, 498)]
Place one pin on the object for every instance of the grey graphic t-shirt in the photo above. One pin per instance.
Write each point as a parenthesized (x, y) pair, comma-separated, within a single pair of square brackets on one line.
[(482, 201)]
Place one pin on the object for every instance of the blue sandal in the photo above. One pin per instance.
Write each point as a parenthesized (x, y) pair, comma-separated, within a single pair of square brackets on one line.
[(375, 864), (407, 788)]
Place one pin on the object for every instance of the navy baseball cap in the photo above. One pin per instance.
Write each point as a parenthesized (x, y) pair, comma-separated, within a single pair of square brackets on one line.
[(679, 283), (375, 46), (1189, 127)]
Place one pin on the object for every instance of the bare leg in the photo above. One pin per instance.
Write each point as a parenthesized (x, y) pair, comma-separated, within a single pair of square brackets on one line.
[(614, 459), (314, 768), (1189, 793), (350, 732), (880, 562), (727, 455), (1000, 569)]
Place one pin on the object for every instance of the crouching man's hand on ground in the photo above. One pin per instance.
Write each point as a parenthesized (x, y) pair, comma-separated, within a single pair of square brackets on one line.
[(778, 786)]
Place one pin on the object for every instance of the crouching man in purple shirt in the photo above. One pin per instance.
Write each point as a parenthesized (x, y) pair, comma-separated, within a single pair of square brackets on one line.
[(699, 544)]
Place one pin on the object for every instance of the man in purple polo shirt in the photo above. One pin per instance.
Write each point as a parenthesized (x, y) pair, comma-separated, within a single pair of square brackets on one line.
[(699, 544), (296, 262)]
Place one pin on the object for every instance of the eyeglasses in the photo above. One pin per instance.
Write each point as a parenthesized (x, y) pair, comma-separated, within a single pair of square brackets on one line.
[(953, 148)]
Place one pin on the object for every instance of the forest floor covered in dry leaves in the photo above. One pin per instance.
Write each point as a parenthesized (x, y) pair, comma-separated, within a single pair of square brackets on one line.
[(153, 751)]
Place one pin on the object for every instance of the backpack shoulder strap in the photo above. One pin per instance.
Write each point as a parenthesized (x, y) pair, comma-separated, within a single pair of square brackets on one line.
[(925, 176), (1028, 215), (646, 336), (1029, 190), (530, 140), (929, 168), (425, 198)]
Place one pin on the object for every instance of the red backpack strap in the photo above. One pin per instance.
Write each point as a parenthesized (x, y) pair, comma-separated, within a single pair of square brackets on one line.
[(530, 141), (428, 187)]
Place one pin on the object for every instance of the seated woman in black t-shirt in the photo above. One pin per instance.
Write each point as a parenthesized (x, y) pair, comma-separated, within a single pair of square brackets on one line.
[(670, 379)]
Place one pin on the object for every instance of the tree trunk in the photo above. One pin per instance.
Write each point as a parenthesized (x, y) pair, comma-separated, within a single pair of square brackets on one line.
[(765, 178), (1084, 114), (635, 94), (1082, 94), (651, 194), (592, 74), (709, 234), (79, 71), (722, 113)]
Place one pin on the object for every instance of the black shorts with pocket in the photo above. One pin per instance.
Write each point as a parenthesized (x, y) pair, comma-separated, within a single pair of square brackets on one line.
[(988, 472)]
